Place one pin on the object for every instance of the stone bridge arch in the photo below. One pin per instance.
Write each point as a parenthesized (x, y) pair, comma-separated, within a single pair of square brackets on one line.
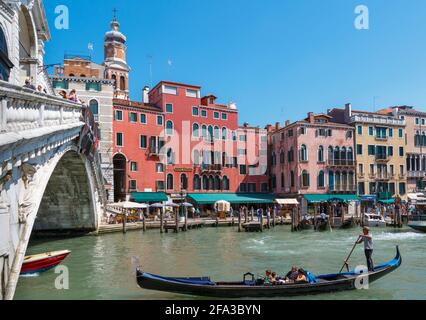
[(58, 192)]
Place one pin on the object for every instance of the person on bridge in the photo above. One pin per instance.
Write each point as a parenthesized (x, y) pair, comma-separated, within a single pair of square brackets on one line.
[(367, 238)]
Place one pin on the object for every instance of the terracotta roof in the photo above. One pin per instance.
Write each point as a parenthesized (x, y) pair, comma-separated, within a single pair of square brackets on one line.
[(136, 104)]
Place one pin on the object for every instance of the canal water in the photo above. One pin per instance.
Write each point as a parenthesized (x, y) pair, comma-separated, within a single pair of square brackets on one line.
[(102, 267)]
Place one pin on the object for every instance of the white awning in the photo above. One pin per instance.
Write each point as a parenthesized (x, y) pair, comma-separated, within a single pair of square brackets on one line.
[(287, 201), (129, 205)]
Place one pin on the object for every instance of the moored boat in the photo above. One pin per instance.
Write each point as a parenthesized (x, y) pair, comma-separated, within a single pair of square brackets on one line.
[(418, 222), (43, 261), (204, 286), (374, 220)]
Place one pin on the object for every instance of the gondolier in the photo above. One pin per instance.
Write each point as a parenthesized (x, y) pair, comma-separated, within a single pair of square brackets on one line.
[(368, 246)]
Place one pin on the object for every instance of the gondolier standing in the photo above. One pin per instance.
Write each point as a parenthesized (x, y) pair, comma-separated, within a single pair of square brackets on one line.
[(367, 238)]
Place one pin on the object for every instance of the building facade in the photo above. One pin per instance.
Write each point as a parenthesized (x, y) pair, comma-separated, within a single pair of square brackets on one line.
[(416, 144), (314, 156), (178, 140), (380, 142)]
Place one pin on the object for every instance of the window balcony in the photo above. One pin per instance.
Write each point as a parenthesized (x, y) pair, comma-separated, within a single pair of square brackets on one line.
[(382, 158), (343, 189), (211, 167), (381, 138), (416, 174), (341, 163)]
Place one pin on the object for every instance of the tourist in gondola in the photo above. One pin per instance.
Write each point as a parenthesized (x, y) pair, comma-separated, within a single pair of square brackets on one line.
[(292, 274), (367, 238), (301, 276)]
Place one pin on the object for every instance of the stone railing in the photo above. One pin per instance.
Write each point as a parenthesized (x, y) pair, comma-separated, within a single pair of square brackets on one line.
[(375, 119), (25, 109)]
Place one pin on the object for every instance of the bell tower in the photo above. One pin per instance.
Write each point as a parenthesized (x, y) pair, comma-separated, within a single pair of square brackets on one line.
[(116, 67)]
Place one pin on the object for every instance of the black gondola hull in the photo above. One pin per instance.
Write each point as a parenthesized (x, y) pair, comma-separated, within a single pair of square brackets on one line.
[(325, 284)]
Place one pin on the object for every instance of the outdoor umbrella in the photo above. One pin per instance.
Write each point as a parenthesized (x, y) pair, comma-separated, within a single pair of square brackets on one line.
[(157, 205), (186, 204), (129, 205)]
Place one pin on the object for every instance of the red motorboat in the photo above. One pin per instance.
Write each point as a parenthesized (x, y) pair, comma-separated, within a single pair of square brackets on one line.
[(43, 262)]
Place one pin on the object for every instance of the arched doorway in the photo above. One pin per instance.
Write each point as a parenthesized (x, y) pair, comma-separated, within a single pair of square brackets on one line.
[(119, 163)]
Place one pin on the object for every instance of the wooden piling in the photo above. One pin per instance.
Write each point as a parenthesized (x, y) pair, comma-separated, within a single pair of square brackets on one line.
[(239, 221), (124, 221), (273, 217), (161, 221), (186, 219), (176, 221), (143, 224), (261, 222)]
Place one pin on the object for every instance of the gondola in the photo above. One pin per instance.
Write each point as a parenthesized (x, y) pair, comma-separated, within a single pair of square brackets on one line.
[(348, 223), (320, 224), (203, 286)]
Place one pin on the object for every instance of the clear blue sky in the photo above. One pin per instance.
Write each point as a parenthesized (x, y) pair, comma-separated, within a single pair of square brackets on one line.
[(277, 59)]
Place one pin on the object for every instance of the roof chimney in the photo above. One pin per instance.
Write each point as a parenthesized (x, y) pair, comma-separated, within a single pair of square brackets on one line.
[(287, 123), (277, 125), (145, 94), (311, 117), (348, 109)]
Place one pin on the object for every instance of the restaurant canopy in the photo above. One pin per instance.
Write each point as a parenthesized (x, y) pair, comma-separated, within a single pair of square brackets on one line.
[(129, 205), (233, 198), (317, 198), (146, 197), (287, 201)]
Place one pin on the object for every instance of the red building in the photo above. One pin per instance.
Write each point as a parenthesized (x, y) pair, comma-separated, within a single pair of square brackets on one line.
[(182, 141)]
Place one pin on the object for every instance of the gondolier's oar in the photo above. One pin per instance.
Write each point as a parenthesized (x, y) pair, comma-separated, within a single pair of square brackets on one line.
[(345, 263)]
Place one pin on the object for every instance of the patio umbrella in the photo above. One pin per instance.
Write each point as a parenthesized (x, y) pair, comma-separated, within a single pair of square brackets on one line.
[(186, 204), (129, 205), (171, 204)]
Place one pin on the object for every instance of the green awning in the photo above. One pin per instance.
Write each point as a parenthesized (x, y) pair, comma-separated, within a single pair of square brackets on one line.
[(144, 197), (387, 201), (241, 198), (315, 198)]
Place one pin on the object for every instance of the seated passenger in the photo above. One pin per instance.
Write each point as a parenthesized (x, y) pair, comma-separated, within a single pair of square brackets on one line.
[(274, 278), (268, 276), (292, 274), (301, 277)]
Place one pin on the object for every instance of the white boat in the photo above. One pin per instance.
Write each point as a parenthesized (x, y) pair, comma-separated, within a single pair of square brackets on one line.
[(374, 220)]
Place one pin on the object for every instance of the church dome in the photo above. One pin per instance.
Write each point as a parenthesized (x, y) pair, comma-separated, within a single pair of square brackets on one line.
[(114, 34)]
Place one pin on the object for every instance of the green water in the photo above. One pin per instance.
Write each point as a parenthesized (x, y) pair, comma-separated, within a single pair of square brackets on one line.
[(103, 267)]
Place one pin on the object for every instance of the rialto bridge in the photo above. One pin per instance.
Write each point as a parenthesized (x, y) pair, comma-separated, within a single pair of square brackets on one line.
[(48, 180)]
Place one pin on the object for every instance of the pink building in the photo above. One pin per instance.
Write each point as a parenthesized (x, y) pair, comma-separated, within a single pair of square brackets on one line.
[(312, 157)]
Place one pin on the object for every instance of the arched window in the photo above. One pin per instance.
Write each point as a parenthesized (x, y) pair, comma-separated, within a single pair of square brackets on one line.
[(196, 159), (122, 83), (291, 154), (303, 153), (336, 153), (224, 133), (211, 183), (320, 154), (351, 181), (183, 181), (330, 154), (195, 130), (305, 179), (113, 77), (210, 133), (197, 182), (82, 76), (292, 178), (282, 180), (217, 183), (217, 157), (338, 181), (321, 180), (282, 156), (331, 180), (350, 154), (344, 181), (204, 131), (170, 182), (5, 64), (169, 127), (94, 107), (225, 183), (343, 153), (224, 159), (216, 132), (205, 183)]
